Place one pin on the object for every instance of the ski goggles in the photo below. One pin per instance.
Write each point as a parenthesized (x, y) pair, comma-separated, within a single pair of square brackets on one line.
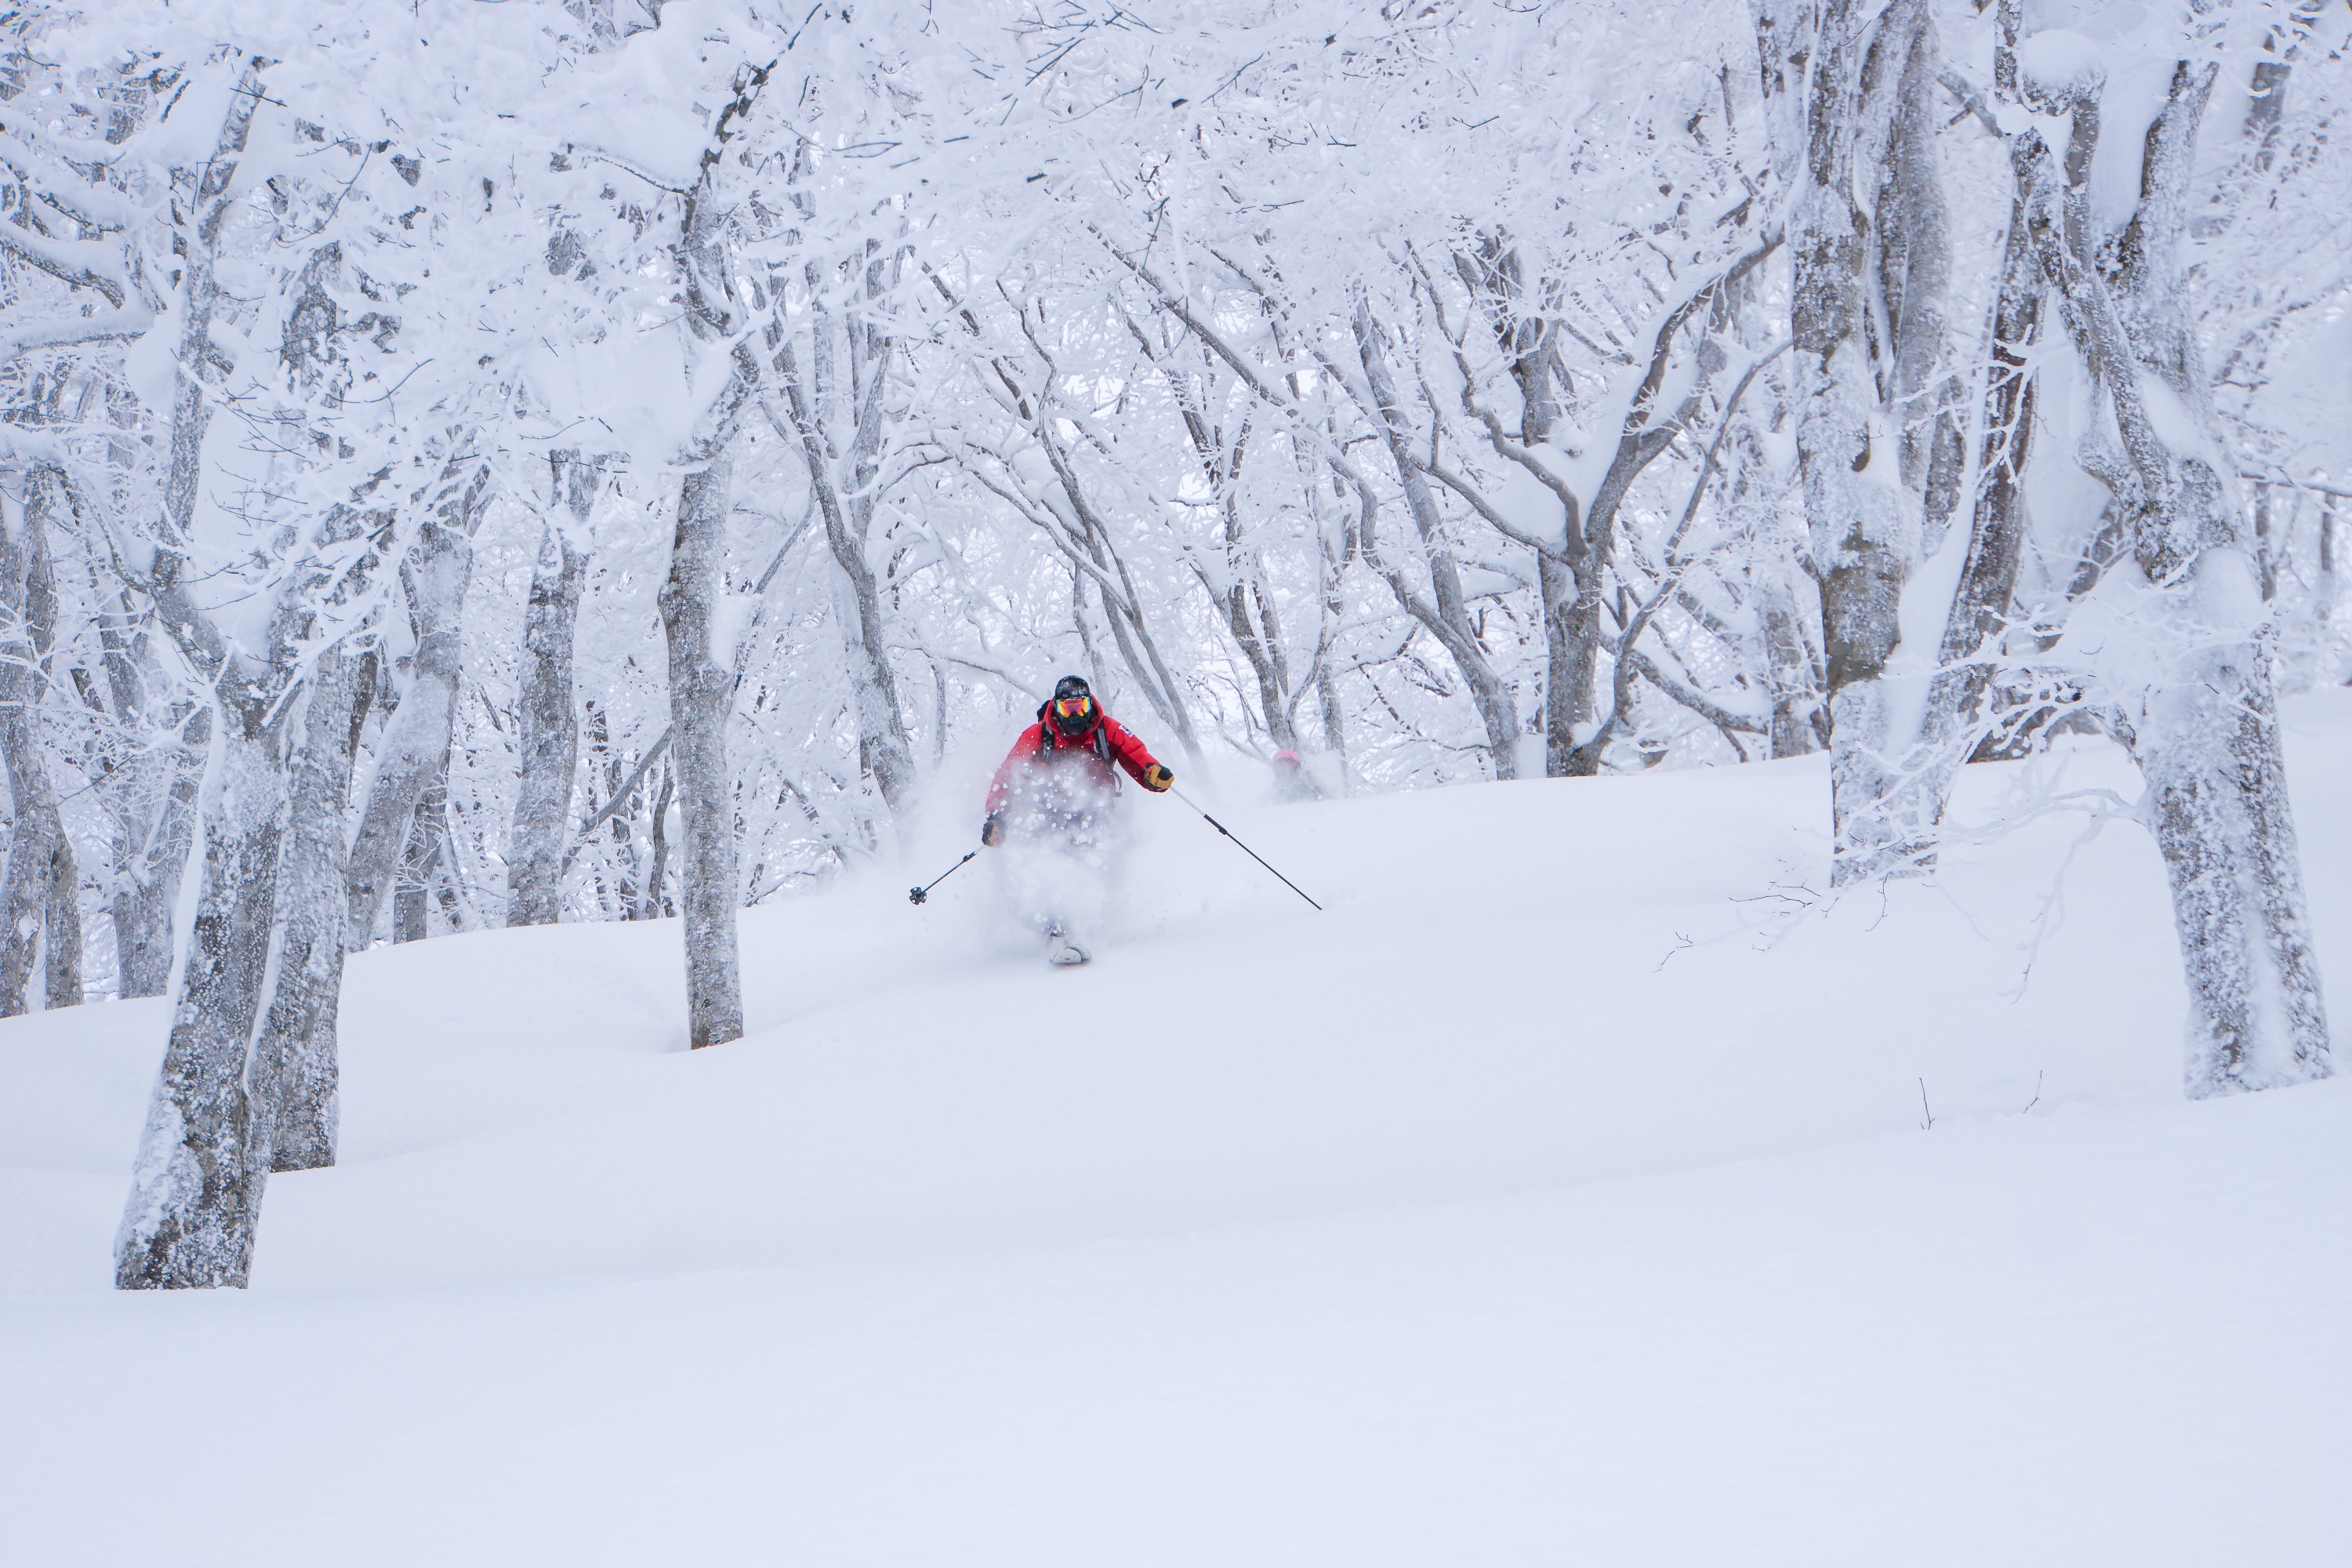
[(1074, 707)]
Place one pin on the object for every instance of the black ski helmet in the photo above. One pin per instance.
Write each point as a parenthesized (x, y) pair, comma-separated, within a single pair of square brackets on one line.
[(1065, 690)]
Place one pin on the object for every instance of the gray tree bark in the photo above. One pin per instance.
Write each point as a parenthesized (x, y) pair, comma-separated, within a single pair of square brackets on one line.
[(1864, 525), (157, 832), (701, 682), (1572, 622), (195, 1194), (1573, 575), (1327, 677), (550, 728), (655, 906), (296, 1054), (1914, 266), (195, 1188), (1976, 631), (38, 892), (1789, 671), (152, 795), (701, 690), (1445, 613), (884, 752), (422, 867), (1248, 610), (415, 745), (2204, 729)]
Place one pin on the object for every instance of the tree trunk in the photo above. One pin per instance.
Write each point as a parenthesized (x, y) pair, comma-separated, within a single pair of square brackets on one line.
[(421, 868), (845, 500), (152, 865), (1863, 533), (1447, 619), (701, 689), (550, 738), (1788, 667), (1327, 680), (38, 893), (1578, 672), (658, 842), (1913, 270), (196, 1191), (2207, 743), (701, 684), (296, 1053), (1976, 630), (2204, 728), (415, 746)]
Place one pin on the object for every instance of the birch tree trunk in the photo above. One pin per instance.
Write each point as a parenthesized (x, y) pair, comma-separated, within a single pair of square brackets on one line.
[(550, 729)]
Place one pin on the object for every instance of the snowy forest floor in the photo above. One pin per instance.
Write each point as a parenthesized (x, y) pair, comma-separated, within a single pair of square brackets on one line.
[(1560, 1196)]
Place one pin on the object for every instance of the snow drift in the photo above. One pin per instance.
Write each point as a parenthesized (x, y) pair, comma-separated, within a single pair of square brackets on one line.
[(1561, 1194)]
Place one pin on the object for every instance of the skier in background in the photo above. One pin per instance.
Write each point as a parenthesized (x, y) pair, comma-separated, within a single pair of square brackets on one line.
[(1292, 782), (1050, 809)]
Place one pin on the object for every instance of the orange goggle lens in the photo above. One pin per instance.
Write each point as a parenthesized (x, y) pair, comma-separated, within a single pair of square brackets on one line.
[(1074, 707)]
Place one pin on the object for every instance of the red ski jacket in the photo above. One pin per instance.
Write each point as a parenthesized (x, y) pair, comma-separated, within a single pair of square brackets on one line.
[(1094, 750)]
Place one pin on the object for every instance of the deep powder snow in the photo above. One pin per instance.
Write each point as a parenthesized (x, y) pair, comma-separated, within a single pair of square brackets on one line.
[(1560, 1196)]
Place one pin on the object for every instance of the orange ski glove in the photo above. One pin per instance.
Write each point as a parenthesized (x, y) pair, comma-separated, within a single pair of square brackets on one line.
[(1156, 778)]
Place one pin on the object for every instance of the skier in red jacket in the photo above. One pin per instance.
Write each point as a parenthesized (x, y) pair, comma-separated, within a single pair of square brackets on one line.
[(1054, 792)]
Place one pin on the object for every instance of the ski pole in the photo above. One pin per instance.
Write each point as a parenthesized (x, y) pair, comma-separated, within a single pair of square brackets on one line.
[(917, 895), (1245, 848)]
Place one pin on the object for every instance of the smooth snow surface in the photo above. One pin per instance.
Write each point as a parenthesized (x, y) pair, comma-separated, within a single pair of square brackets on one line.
[(1559, 1197)]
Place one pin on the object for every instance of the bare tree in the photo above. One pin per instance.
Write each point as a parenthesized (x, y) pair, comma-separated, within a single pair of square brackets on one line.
[(196, 1189), (2204, 725), (1857, 460), (838, 403), (296, 1061), (701, 683), (414, 750), (38, 894), (550, 728)]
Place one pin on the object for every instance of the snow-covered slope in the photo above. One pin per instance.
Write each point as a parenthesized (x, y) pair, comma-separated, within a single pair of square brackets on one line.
[(1560, 1196)]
